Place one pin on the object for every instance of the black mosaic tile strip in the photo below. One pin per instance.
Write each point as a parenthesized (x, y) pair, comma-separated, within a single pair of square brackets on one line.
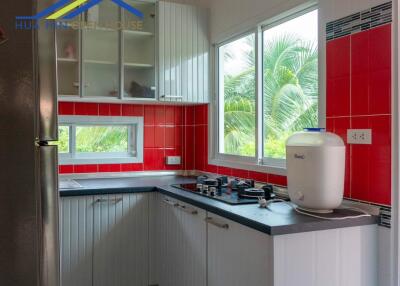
[(385, 217), (361, 21)]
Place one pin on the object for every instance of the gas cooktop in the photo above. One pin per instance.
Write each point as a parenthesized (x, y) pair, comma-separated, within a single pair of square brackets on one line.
[(223, 194)]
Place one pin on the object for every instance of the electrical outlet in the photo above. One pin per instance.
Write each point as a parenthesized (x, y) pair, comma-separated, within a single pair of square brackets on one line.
[(173, 160), (359, 136)]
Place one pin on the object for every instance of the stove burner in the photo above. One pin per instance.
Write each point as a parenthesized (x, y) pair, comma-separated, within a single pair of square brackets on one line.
[(222, 194)]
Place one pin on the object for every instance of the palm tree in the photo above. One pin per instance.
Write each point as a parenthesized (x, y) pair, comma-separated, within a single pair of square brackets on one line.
[(290, 71)]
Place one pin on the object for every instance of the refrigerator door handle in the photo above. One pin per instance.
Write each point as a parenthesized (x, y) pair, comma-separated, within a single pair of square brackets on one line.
[(47, 79), (50, 248)]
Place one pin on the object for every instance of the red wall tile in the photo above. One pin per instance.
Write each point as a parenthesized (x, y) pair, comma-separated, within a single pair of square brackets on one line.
[(154, 159), (189, 115), (149, 117), (338, 58), (115, 109), (380, 47), (82, 108), (380, 92), (66, 108), (189, 153), (66, 169), (131, 167), (85, 168), (244, 174), (132, 110), (277, 180), (258, 176), (104, 168), (224, 171)]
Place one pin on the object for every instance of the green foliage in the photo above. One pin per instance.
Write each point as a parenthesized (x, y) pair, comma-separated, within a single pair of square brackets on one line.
[(290, 96), (91, 139), (63, 139)]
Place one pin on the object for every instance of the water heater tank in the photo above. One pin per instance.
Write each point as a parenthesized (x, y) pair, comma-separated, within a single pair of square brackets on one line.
[(315, 162)]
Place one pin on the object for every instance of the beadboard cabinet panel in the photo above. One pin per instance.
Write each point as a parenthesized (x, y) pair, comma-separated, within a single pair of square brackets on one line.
[(179, 242), (105, 240), (76, 234), (121, 240), (184, 53), (238, 255)]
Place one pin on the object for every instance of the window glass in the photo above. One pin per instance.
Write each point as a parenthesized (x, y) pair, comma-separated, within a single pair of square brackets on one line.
[(94, 139), (63, 139), (290, 81), (237, 97)]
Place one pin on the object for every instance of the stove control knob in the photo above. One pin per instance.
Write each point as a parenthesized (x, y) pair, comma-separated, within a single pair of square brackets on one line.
[(212, 191), (199, 187), (205, 189)]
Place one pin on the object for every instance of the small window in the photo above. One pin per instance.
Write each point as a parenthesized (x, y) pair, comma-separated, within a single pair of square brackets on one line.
[(97, 140)]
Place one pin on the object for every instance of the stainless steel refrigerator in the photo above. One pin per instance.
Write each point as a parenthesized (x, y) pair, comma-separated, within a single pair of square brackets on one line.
[(29, 244)]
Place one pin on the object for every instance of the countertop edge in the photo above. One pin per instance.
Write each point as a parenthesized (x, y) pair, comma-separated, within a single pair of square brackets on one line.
[(269, 230)]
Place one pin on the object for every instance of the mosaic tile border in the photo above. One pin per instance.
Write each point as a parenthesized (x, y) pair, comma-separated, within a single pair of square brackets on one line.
[(361, 21)]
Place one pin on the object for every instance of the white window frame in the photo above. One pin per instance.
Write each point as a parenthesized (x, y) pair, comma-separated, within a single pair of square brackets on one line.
[(135, 149), (259, 162)]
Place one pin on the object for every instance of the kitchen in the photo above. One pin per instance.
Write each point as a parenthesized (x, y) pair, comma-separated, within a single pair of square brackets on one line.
[(203, 142)]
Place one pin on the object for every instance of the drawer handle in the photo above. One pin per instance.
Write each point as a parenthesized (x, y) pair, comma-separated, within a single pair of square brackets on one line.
[(172, 96), (115, 200), (188, 210), (168, 202), (217, 224)]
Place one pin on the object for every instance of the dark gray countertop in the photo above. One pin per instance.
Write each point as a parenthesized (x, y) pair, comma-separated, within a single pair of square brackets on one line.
[(279, 219)]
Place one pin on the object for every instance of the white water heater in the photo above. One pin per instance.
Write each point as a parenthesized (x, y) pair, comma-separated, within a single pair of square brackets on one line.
[(315, 162)]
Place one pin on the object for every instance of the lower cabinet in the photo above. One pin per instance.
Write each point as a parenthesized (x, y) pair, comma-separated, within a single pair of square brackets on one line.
[(237, 255), (105, 240), (179, 232), (153, 239)]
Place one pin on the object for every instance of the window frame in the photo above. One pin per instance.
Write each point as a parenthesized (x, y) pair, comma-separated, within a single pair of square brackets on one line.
[(134, 155), (259, 162)]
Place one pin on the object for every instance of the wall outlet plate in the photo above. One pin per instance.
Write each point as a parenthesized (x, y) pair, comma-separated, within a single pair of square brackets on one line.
[(173, 160), (359, 136)]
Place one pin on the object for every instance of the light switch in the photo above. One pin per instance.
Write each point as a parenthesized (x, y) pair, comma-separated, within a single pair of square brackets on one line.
[(359, 136)]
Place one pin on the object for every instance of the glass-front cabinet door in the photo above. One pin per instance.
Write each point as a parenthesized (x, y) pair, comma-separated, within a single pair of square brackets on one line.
[(138, 37), (100, 51), (68, 58), (108, 52)]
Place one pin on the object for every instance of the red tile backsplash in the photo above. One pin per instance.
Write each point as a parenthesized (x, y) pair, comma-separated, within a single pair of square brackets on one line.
[(368, 167), (358, 96)]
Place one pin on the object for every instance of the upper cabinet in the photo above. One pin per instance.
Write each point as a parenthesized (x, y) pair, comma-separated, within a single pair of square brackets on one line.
[(184, 53), (109, 53)]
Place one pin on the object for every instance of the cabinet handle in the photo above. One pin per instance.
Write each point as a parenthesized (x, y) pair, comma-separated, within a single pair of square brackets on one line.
[(217, 224), (172, 204), (115, 201), (172, 96), (188, 210)]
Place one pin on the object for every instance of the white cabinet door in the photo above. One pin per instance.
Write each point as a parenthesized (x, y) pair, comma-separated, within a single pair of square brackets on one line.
[(179, 257), (76, 235), (237, 255), (121, 241), (184, 53)]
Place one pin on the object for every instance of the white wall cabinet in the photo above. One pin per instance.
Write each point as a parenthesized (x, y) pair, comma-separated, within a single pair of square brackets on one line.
[(184, 53), (179, 242), (105, 240), (237, 255)]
